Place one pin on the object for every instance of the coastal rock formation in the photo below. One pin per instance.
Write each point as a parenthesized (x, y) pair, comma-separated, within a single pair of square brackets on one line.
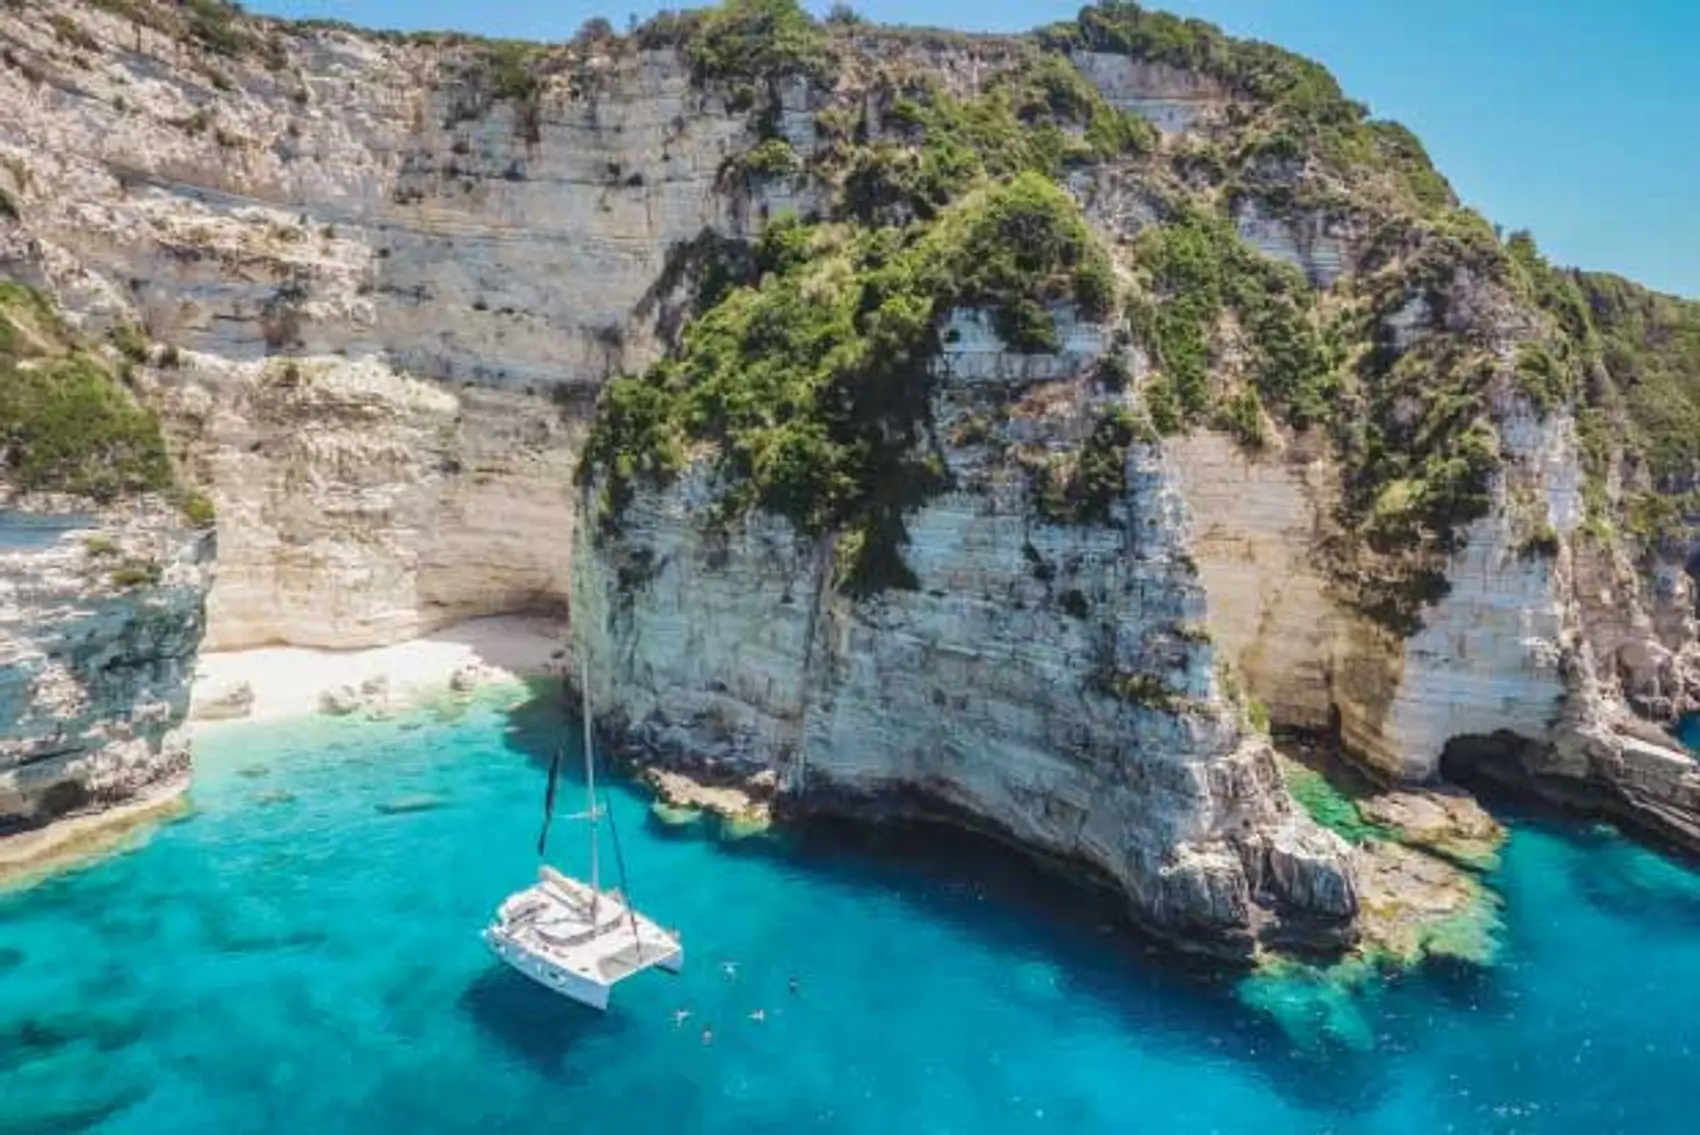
[(101, 616), (223, 703), (378, 286), (1004, 687), (452, 283), (358, 506)]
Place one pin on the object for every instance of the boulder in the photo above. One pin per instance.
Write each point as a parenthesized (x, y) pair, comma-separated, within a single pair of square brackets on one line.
[(340, 701), (225, 703)]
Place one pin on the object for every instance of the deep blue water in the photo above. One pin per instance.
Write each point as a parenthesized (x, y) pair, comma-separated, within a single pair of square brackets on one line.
[(291, 958)]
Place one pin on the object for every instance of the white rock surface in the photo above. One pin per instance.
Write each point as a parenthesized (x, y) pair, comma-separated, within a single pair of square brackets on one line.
[(1171, 98), (983, 691), (94, 670), (222, 703)]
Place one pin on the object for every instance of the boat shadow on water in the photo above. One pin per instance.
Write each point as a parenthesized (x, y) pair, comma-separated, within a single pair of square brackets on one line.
[(1077, 941), (538, 1027)]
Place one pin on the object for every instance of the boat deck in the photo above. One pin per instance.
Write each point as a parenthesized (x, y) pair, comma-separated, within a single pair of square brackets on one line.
[(554, 924)]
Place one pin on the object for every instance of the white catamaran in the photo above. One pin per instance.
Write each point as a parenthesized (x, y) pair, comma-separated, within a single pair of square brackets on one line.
[(572, 936)]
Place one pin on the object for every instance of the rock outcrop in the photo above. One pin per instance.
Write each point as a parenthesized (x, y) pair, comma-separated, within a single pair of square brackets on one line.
[(1002, 688), (101, 617), (378, 283), (451, 284)]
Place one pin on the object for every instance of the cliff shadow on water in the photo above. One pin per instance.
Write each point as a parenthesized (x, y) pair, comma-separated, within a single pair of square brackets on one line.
[(1304, 1029)]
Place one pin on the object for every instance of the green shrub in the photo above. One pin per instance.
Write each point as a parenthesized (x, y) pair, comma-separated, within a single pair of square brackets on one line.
[(140, 573), (771, 159), (748, 44), (1192, 271), (67, 426), (100, 547), (1100, 478), (512, 70), (1147, 691), (198, 510), (1241, 414), (1541, 544), (1257, 715), (1540, 377), (131, 341), (1015, 249)]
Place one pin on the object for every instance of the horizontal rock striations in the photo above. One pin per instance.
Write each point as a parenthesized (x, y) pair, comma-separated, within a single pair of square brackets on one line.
[(1287, 437)]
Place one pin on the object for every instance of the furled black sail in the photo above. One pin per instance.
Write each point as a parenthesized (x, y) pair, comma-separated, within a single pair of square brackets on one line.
[(549, 799)]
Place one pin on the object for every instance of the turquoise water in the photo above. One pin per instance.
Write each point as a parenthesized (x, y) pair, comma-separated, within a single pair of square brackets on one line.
[(1688, 730), (292, 957)]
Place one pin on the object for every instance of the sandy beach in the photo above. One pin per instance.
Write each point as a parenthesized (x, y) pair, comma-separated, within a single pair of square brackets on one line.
[(289, 681)]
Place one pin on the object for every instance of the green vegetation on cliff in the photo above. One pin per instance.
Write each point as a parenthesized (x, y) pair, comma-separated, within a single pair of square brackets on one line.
[(1194, 271), (1650, 344), (67, 424), (1299, 112), (806, 372), (778, 374), (1042, 116), (811, 378), (1628, 360)]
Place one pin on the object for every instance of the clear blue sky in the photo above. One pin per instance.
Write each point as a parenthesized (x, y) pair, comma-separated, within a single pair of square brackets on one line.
[(1578, 119)]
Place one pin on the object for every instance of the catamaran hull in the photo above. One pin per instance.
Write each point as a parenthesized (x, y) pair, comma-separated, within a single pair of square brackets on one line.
[(584, 990), (581, 989)]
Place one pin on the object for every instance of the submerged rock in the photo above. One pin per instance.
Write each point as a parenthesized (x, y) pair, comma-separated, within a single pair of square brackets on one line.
[(419, 802), (673, 816), (680, 799), (340, 701), (1415, 854), (466, 678), (1445, 820), (1417, 906), (230, 703)]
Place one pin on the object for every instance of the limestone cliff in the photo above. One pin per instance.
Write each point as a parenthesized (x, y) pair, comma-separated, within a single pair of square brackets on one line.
[(104, 566), (96, 654), (374, 210), (376, 285), (999, 688)]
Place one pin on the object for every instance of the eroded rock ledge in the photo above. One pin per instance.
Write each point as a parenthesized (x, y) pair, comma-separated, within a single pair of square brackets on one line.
[(986, 691), (101, 617)]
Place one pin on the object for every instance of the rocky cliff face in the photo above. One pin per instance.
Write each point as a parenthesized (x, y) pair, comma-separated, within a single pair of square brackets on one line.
[(1001, 688), (374, 211), (101, 616), (384, 281)]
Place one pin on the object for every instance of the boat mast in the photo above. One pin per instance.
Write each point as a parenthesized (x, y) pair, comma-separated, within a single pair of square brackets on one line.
[(590, 785)]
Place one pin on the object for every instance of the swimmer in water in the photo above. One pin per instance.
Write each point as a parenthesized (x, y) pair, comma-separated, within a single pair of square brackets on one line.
[(708, 1036), (794, 986), (730, 968), (680, 1016), (759, 1016)]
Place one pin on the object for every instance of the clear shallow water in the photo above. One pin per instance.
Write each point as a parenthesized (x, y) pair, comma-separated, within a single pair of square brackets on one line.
[(292, 958)]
